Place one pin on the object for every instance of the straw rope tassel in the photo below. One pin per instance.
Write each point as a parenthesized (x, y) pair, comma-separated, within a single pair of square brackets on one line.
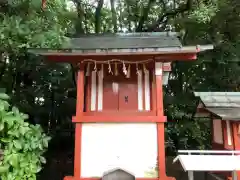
[(144, 69), (137, 70), (95, 66), (109, 68), (129, 71), (124, 68)]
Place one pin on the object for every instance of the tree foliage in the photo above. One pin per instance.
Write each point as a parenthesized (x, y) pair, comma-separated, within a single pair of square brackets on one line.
[(23, 24), (22, 144)]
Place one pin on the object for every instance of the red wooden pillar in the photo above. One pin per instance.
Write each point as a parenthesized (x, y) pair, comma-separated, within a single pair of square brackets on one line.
[(160, 125), (236, 140), (78, 127)]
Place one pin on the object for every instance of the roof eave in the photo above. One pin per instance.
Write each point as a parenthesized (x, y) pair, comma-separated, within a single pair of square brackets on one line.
[(150, 51), (135, 34)]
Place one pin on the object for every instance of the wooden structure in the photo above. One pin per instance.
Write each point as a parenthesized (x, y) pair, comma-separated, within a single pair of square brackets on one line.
[(223, 109), (120, 115)]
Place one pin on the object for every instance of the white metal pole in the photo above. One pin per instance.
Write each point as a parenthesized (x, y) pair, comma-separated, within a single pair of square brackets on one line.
[(190, 175), (234, 175)]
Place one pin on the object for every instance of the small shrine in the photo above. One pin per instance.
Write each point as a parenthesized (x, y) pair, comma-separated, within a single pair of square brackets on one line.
[(222, 109), (119, 121)]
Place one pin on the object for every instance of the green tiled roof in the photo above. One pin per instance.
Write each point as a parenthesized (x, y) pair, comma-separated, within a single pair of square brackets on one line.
[(219, 99), (226, 113), (225, 105), (155, 43), (126, 41)]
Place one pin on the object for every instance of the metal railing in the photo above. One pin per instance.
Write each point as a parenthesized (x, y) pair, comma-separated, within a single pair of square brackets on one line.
[(208, 152)]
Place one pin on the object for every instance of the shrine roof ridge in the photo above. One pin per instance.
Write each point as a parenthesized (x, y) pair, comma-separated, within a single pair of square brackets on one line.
[(225, 105), (219, 99), (125, 41), (159, 50), (160, 45), (122, 43), (133, 34), (226, 113)]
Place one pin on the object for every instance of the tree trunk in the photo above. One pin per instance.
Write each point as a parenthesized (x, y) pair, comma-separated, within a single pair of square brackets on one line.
[(114, 16), (98, 16), (144, 16), (80, 14)]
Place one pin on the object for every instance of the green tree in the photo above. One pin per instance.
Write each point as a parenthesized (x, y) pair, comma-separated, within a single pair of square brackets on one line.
[(29, 81), (22, 144)]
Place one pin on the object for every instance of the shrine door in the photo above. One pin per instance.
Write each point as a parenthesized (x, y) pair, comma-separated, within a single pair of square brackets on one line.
[(120, 93)]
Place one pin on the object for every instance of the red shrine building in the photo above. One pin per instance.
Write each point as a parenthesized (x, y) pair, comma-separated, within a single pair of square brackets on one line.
[(222, 108), (119, 117)]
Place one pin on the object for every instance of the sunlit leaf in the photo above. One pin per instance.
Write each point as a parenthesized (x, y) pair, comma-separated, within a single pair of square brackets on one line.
[(43, 160), (3, 169), (4, 96)]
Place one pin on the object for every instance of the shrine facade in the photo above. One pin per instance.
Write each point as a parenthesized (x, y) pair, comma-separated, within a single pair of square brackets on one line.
[(119, 121), (222, 109)]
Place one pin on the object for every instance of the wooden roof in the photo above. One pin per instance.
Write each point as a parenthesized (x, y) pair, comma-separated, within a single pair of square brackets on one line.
[(225, 105)]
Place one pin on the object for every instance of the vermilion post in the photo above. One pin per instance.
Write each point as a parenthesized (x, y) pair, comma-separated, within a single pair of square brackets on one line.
[(78, 127), (236, 142), (160, 126)]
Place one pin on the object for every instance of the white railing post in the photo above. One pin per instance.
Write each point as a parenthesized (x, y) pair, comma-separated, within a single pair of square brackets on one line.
[(190, 175)]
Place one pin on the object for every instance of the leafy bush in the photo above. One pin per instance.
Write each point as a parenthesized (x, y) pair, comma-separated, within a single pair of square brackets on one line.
[(22, 144)]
